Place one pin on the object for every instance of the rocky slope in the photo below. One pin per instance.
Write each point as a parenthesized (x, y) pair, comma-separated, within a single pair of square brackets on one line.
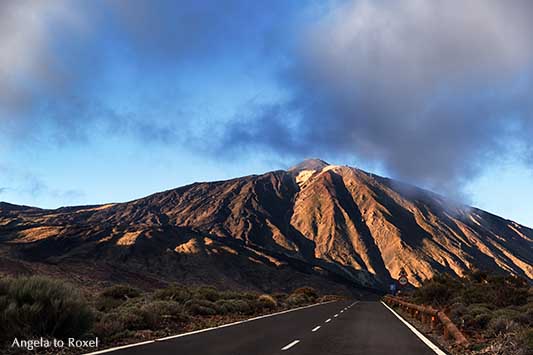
[(315, 223)]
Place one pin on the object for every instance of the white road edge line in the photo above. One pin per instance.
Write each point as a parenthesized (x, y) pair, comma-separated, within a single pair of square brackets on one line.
[(121, 347), (288, 346), (421, 336), (328, 320), (316, 328), (203, 330)]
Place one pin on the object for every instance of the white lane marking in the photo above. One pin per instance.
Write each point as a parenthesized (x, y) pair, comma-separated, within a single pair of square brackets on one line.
[(421, 336), (205, 330), (288, 346), (328, 320), (342, 311), (316, 328), (336, 315)]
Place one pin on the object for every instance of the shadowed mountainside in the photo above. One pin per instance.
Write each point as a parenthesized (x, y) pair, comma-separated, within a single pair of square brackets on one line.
[(315, 223)]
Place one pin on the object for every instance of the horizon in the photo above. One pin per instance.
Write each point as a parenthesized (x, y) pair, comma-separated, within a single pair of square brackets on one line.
[(104, 102), (101, 203)]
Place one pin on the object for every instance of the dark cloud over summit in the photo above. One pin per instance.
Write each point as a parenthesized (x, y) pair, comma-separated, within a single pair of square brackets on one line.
[(432, 90)]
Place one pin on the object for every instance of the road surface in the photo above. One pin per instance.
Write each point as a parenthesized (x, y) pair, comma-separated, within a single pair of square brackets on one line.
[(337, 328)]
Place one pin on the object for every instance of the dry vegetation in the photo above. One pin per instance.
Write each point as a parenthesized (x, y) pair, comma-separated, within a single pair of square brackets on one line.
[(494, 312), (33, 307)]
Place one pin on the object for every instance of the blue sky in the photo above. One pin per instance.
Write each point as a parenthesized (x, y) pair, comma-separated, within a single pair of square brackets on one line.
[(112, 100)]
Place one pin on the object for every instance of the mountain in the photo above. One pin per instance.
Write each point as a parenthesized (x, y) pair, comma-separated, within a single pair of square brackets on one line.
[(315, 224)]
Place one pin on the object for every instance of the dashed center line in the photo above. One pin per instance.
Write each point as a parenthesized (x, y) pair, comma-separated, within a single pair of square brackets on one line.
[(288, 346), (316, 328), (336, 315), (328, 320)]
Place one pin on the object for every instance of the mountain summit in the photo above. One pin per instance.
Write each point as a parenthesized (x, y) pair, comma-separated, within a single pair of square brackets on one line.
[(315, 223), (309, 164)]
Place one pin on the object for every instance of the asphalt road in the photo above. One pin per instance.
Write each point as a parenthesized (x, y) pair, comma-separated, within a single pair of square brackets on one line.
[(338, 328)]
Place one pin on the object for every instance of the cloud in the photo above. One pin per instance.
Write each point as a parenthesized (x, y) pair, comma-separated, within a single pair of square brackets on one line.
[(431, 90), (60, 62), (28, 185)]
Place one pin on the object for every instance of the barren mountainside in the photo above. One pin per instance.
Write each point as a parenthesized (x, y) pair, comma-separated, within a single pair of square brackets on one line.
[(315, 223)]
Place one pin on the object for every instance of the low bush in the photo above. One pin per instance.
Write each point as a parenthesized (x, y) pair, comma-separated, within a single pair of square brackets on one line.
[(40, 306), (121, 292), (207, 293), (438, 291), (109, 326), (477, 316), (106, 304), (494, 307), (267, 302), (309, 292), (200, 307), (526, 341), (527, 313), (166, 310), (297, 300), (173, 293), (501, 325), (234, 306), (280, 296), (329, 298), (36, 306), (235, 295), (134, 317)]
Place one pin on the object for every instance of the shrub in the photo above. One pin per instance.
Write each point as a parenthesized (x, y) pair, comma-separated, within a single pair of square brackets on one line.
[(297, 300), (234, 306), (500, 325), (40, 306), (234, 295), (477, 293), (201, 307), (123, 320), (477, 276), (433, 293), (166, 310), (173, 293), (280, 296), (528, 314), (309, 292), (106, 304), (134, 317), (222, 307), (121, 292), (478, 316), (109, 326), (267, 302), (507, 291), (138, 316), (248, 296), (457, 311), (526, 341), (207, 293), (328, 298)]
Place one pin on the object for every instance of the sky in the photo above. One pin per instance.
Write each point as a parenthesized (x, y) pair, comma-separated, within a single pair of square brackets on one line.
[(108, 101)]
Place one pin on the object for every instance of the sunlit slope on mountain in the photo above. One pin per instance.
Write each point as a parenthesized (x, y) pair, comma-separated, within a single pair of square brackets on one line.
[(376, 224), (314, 221)]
